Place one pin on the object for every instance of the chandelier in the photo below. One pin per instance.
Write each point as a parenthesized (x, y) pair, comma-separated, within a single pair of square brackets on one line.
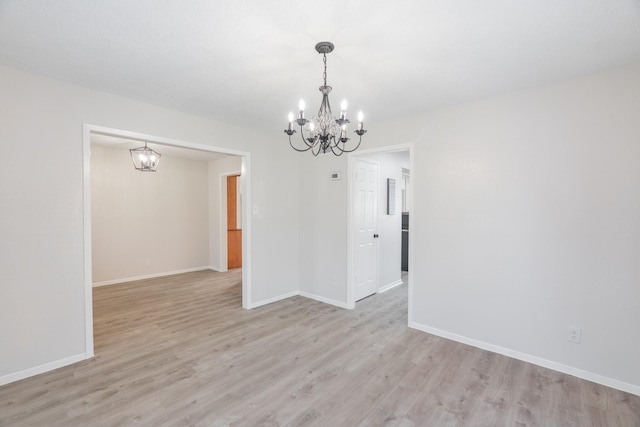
[(145, 159), (323, 132)]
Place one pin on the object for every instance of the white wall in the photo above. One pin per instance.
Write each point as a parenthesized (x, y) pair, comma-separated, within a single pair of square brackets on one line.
[(138, 216), (526, 219), (42, 288), (323, 228), (219, 169)]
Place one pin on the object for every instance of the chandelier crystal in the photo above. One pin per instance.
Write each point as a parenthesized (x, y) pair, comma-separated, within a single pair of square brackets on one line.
[(323, 132)]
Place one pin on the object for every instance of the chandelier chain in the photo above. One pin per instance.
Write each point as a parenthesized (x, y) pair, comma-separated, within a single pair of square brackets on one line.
[(324, 75)]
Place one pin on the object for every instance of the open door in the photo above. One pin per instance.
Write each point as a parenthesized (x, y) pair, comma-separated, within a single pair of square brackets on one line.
[(365, 211), (234, 226)]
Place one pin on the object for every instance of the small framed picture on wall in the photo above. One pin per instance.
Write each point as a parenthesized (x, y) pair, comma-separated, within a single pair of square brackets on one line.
[(391, 196)]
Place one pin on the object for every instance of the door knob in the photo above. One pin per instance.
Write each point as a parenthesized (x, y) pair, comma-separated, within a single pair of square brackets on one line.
[(375, 236)]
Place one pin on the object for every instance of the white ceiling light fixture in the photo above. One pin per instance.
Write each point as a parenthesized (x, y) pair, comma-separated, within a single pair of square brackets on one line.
[(145, 159), (324, 133)]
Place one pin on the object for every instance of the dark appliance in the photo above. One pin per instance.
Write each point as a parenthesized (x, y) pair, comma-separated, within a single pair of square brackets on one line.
[(405, 241)]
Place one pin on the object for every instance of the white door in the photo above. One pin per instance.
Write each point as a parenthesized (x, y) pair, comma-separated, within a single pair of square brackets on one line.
[(365, 211)]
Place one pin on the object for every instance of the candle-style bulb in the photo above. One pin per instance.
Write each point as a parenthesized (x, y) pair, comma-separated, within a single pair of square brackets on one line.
[(290, 127), (301, 105), (343, 110), (360, 117)]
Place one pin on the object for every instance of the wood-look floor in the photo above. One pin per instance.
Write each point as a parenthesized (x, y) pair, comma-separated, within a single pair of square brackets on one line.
[(181, 351)]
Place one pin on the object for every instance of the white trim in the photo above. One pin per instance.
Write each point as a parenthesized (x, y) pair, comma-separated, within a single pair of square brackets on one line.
[(412, 251), (86, 236), (214, 268), (149, 276), (576, 372), (389, 286), (36, 370), (324, 300), (275, 299), (120, 133), (351, 299), (246, 230), (302, 294)]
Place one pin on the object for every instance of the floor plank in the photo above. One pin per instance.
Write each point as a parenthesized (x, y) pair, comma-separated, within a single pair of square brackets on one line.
[(180, 351)]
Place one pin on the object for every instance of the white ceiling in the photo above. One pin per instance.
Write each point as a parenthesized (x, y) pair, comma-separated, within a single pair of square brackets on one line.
[(249, 62)]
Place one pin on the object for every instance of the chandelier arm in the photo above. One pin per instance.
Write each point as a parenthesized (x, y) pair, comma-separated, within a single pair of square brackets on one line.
[(344, 150), (306, 141), (298, 149), (339, 153), (333, 145)]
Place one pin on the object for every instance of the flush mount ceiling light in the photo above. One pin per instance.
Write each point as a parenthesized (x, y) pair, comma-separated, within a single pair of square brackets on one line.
[(145, 159), (323, 132)]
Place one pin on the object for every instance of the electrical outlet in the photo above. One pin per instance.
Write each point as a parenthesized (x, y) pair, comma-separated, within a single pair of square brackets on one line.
[(574, 334), (147, 262)]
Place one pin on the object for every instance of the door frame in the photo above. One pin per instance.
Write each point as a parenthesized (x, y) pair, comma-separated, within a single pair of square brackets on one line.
[(351, 167), (87, 130)]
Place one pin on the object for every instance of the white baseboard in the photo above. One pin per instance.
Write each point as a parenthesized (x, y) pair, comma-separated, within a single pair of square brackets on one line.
[(17, 376), (302, 294), (585, 375), (149, 276), (274, 299), (323, 299), (389, 286), (218, 269)]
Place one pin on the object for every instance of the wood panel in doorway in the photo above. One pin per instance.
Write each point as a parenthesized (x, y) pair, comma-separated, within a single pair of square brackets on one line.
[(234, 229)]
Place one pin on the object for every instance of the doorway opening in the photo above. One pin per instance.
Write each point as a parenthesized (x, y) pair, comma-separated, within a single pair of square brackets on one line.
[(382, 258), (167, 145)]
